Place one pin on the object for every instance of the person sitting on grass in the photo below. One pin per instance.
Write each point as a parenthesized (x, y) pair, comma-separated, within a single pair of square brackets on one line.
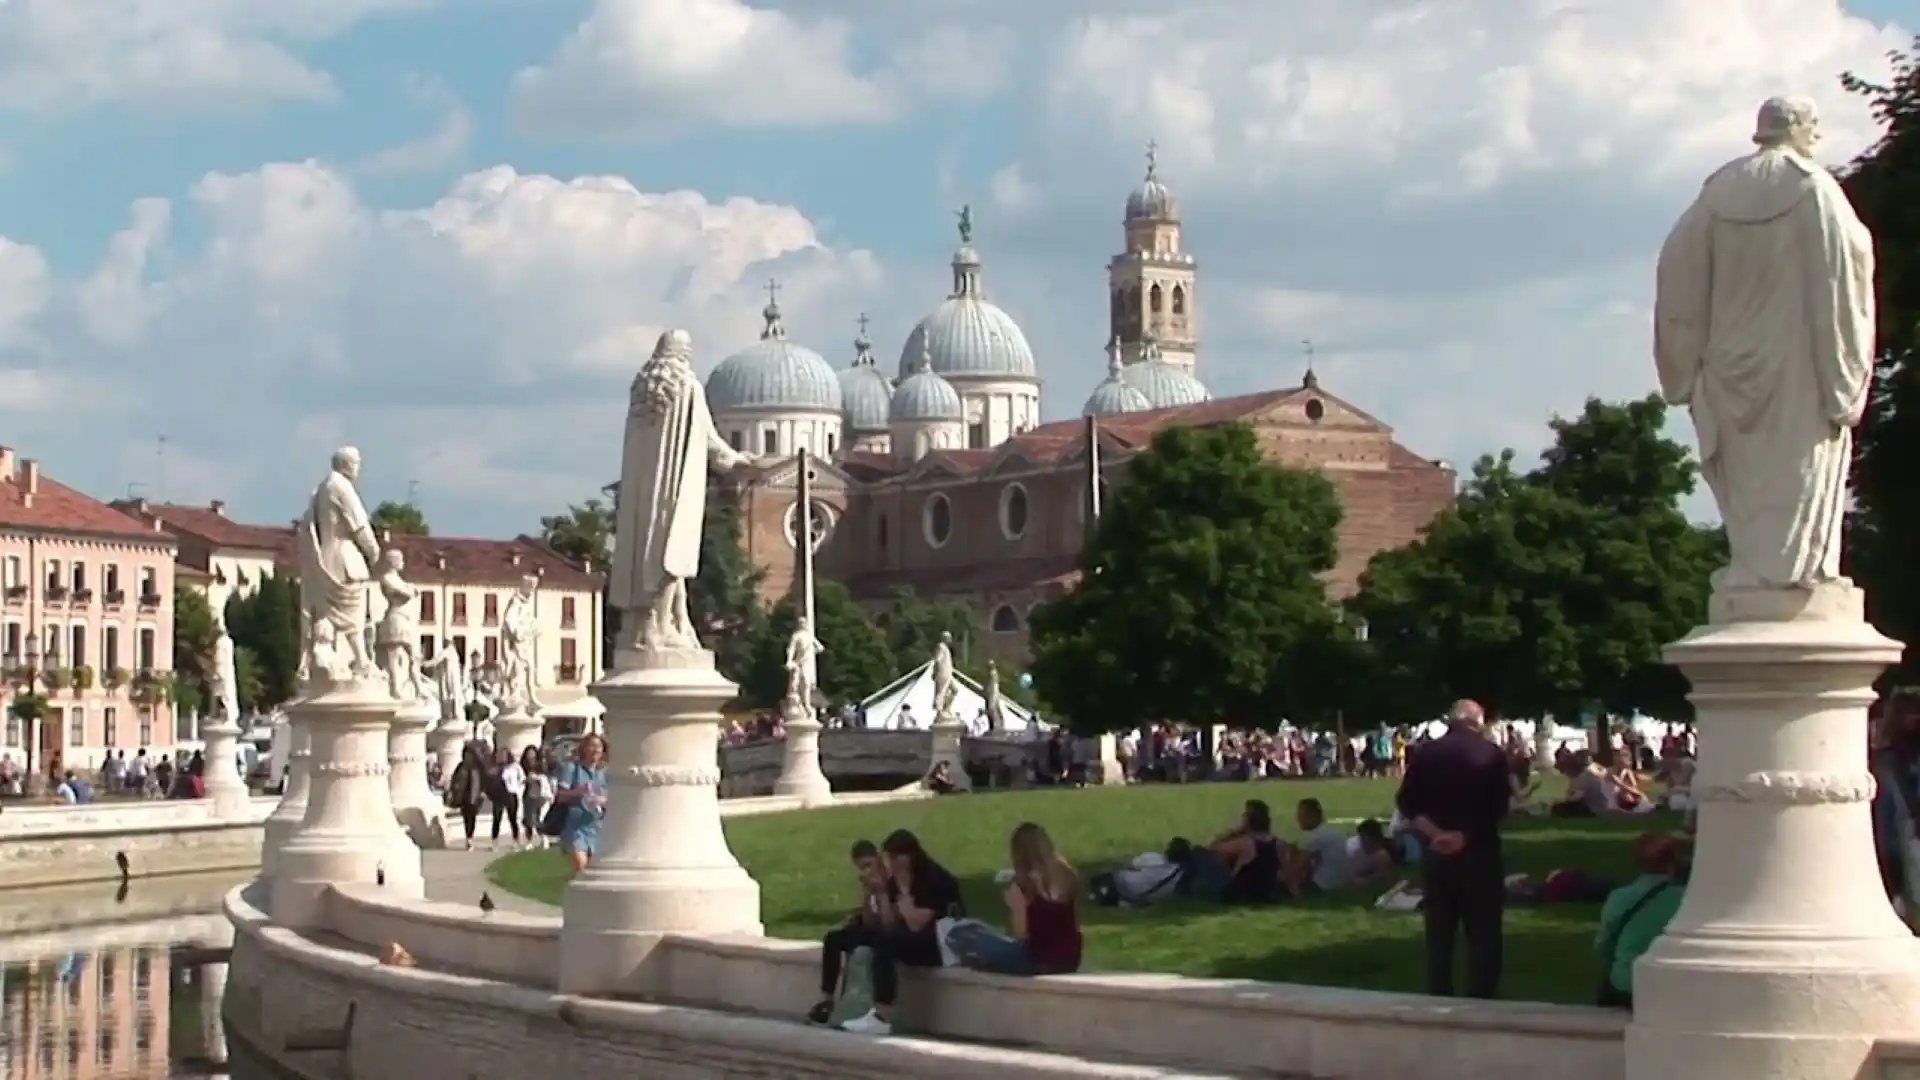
[(1318, 863), (1637, 913), (1589, 789), (1372, 861), (1250, 857), (861, 929), (1042, 914), (940, 780), (920, 892)]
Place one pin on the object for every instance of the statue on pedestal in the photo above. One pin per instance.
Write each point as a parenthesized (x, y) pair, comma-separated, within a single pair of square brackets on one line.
[(1764, 329), (670, 441), (396, 639), (334, 546), (449, 682), (518, 629), (944, 687), (226, 684), (803, 669), (996, 714)]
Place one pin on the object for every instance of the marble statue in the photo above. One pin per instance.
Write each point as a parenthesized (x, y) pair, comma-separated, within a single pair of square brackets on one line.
[(944, 688), (448, 682), (803, 666), (226, 681), (396, 640), (518, 629), (996, 714), (670, 440), (334, 548), (1764, 329)]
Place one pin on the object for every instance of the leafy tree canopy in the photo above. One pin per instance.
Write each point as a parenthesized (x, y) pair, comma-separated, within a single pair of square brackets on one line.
[(1544, 593), (914, 625), (266, 623), (584, 532), (193, 640), (724, 598), (1884, 185), (1201, 579), (401, 519), (855, 660)]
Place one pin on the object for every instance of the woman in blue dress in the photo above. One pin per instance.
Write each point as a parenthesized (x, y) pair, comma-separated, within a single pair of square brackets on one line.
[(582, 789)]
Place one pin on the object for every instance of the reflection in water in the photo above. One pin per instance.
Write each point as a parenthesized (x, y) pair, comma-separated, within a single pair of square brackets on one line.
[(127, 1013)]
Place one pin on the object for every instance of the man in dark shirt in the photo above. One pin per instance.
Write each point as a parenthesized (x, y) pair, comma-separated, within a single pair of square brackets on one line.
[(1454, 797)]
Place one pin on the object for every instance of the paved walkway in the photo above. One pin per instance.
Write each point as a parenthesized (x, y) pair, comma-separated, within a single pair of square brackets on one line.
[(460, 877)]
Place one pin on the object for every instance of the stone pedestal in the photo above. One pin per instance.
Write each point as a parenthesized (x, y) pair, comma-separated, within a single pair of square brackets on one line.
[(800, 772), (1785, 961), (447, 741), (1106, 769), (223, 785), (292, 810), (949, 745), (349, 834), (415, 804), (663, 865), (516, 729)]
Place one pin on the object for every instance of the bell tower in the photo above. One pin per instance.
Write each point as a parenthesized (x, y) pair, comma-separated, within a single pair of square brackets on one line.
[(1150, 283)]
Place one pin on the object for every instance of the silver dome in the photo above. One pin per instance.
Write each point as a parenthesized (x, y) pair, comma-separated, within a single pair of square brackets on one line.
[(1165, 385), (1152, 200), (866, 394), (1114, 396), (925, 397), (774, 373), (966, 335)]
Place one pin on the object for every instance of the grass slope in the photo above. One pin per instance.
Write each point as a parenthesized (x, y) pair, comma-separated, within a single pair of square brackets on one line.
[(800, 861)]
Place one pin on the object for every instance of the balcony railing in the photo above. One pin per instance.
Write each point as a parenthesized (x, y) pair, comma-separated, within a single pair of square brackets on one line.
[(82, 596), (56, 594), (568, 673), (149, 600), (113, 598), (16, 593)]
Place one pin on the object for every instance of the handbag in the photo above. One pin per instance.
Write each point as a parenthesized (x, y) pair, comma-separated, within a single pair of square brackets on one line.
[(554, 821)]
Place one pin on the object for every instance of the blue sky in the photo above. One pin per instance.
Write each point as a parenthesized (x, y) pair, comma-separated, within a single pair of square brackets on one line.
[(446, 231)]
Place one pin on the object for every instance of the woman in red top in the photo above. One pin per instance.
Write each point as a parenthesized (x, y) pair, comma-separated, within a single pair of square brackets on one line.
[(1043, 913)]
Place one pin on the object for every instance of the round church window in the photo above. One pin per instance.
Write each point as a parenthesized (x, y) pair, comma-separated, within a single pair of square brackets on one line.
[(1013, 511), (822, 522), (937, 520)]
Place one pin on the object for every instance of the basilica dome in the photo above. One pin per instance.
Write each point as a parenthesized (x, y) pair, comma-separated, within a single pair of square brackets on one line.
[(925, 397), (774, 373), (1114, 396), (1164, 385), (1152, 200), (966, 335), (866, 394)]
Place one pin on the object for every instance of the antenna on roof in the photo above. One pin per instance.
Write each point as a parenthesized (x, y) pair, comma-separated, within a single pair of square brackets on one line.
[(413, 489), (160, 464)]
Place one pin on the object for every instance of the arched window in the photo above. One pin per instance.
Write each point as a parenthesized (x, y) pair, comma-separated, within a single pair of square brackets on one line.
[(1013, 511), (1005, 620), (880, 534), (1154, 299), (1179, 300), (936, 520)]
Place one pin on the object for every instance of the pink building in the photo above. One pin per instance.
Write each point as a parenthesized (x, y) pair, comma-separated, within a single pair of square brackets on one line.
[(86, 622)]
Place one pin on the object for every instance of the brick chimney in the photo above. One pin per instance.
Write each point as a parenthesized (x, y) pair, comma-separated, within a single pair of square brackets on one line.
[(29, 481), (6, 462), (218, 506), (514, 557), (440, 559), (587, 565)]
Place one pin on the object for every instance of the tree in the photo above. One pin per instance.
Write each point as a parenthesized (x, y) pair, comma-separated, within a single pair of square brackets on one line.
[(1884, 185), (914, 625), (398, 518), (724, 598), (1204, 570), (1550, 592), (193, 641), (266, 623), (248, 687), (584, 533), (854, 660)]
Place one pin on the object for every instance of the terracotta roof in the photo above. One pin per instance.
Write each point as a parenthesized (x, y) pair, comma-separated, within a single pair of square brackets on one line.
[(211, 524), (29, 499), (472, 560), (1138, 429)]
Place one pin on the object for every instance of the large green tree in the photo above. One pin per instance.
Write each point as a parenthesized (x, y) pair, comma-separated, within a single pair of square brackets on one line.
[(266, 623), (401, 519), (193, 640), (1884, 184), (855, 660), (724, 597), (583, 533), (1202, 581), (1551, 592), (915, 624)]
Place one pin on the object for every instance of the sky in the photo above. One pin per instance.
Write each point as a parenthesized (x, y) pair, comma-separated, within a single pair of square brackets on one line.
[(237, 234)]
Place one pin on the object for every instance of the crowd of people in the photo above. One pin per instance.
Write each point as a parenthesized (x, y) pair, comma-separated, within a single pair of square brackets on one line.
[(155, 776)]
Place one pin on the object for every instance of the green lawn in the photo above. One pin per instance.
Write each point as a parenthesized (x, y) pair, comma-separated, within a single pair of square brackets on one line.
[(800, 861)]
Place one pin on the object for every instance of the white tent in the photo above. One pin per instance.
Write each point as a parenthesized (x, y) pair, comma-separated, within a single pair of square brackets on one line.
[(906, 704)]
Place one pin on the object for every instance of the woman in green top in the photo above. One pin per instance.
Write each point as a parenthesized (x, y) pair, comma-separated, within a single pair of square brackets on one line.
[(1637, 913)]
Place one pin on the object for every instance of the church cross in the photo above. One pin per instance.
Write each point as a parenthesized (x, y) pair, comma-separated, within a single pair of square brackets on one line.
[(1153, 157), (773, 292), (862, 320)]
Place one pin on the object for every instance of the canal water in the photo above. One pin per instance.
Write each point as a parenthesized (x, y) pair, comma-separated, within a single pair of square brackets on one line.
[(114, 983)]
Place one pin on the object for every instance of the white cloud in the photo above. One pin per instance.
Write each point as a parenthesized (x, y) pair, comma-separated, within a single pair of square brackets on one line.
[(439, 148), (62, 54), (480, 344)]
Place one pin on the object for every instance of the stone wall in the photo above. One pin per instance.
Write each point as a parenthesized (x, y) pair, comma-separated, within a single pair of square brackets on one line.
[(1201, 1027), (853, 757), (72, 845)]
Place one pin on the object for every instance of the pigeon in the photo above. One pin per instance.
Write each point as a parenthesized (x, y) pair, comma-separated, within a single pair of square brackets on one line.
[(486, 902), (126, 868), (380, 875)]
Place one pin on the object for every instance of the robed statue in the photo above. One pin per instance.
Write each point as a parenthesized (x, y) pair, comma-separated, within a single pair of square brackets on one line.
[(1764, 329), (996, 711), (661, 506), (396, 639), (335, 547), (518, 629), (226, 680), (944, 688), (449, 683)]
